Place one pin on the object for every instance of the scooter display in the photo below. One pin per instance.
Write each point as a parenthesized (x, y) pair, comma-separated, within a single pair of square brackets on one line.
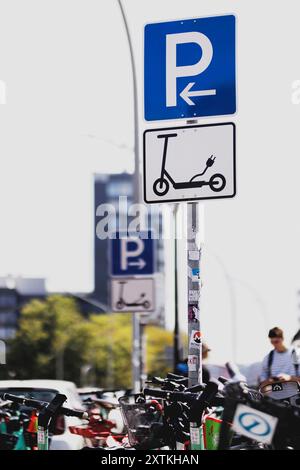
[(140, 302), (161, 185)]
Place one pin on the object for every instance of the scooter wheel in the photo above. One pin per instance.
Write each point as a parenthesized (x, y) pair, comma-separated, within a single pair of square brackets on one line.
[(217, 182), (120, 305), (161, 187), (146, 304)]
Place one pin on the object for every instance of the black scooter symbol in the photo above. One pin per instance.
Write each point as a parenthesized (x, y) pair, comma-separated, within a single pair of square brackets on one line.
[(161, 186), (140, 302)]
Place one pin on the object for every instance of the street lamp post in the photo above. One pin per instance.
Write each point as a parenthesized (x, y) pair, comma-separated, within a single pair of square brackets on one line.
[(233, 302), (136, 320), (233, 305)]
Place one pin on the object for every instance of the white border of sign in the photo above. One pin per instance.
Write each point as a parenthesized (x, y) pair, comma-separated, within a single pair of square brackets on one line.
[(154, 201)]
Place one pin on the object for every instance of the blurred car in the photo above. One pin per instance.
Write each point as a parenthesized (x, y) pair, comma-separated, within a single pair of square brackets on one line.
[(45, 390)]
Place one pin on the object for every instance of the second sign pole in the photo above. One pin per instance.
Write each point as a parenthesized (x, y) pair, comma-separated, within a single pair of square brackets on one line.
[(193, 307)]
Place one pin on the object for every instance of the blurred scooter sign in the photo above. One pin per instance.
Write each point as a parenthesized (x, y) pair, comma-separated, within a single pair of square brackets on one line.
[(132, 294)]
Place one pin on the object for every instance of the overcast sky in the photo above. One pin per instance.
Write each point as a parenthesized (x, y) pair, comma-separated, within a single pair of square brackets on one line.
[(67, 71)]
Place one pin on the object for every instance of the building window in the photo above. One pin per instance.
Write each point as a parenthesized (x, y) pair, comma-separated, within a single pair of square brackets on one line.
[(7, 333), (7, 300), (8, 318)]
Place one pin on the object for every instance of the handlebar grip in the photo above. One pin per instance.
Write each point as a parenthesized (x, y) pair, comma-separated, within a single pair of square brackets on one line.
[(157, 380), (75, 413), (232, 369), (196, 388), (175, 376), (183, 381), (223, 380), (41, 404), (155, 392), (24, 401), (9, 397), (185, 397)]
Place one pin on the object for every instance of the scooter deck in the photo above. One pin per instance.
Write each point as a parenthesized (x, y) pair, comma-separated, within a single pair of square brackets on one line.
[(190, 184)]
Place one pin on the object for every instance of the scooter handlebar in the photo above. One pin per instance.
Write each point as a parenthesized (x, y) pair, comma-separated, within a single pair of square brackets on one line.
[(38, 405), (74, 413), (164, 136), (185, 397), (24, 401), (172, 376)]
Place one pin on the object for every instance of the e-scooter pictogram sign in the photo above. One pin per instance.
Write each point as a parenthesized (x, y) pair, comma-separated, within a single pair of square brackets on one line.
[(132, 294), (189, 163)]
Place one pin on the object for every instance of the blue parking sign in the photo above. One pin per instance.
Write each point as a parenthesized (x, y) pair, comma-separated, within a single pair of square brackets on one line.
[(189, 68), (132, 255)]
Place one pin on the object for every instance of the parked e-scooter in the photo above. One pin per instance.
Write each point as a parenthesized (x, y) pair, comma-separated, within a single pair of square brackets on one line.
[(47, 411)]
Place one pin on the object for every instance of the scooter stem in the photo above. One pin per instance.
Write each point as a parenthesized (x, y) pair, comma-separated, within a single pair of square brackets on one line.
[(163, 164)]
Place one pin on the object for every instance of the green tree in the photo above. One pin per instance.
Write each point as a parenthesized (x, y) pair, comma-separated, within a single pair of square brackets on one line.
[(55, 341), (159, 341), (110, 349), (51, 340)]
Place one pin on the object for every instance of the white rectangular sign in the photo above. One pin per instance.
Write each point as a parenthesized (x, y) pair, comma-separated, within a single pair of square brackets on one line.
[(254, 424), (189, 163), (132, 294)]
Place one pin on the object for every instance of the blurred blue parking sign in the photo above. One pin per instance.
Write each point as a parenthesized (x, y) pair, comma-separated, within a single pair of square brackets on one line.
[(132, 255), (189, 68)]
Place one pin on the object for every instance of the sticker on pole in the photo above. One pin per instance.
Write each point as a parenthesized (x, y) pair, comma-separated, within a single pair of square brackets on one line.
[(193, 313), (195, 339), (189, 163), (254, 424), (132, 294), (192, 363), (194, 295)]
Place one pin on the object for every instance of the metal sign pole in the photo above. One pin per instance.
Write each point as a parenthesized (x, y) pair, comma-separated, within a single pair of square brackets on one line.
[(194, 326), (194, 289), (176, 357), (136, 352)]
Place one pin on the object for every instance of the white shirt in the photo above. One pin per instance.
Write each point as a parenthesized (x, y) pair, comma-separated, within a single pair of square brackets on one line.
[(282, 363)]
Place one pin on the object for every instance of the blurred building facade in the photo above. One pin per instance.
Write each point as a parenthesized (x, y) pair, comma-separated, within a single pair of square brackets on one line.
[(107, 190), (14, 294)]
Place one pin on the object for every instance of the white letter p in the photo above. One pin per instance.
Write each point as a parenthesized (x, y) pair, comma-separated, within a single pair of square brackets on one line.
[(173, 71)]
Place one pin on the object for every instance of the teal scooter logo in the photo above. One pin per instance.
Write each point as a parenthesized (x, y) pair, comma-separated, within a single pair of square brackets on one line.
[(255, 424)]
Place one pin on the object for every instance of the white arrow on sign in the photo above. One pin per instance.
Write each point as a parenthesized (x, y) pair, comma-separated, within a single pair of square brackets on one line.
[(140, 263), (174, 71), (186, 93), (126, 253)]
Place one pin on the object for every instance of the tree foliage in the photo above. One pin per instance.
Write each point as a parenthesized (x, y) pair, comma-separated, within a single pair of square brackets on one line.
[(55, 341)]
